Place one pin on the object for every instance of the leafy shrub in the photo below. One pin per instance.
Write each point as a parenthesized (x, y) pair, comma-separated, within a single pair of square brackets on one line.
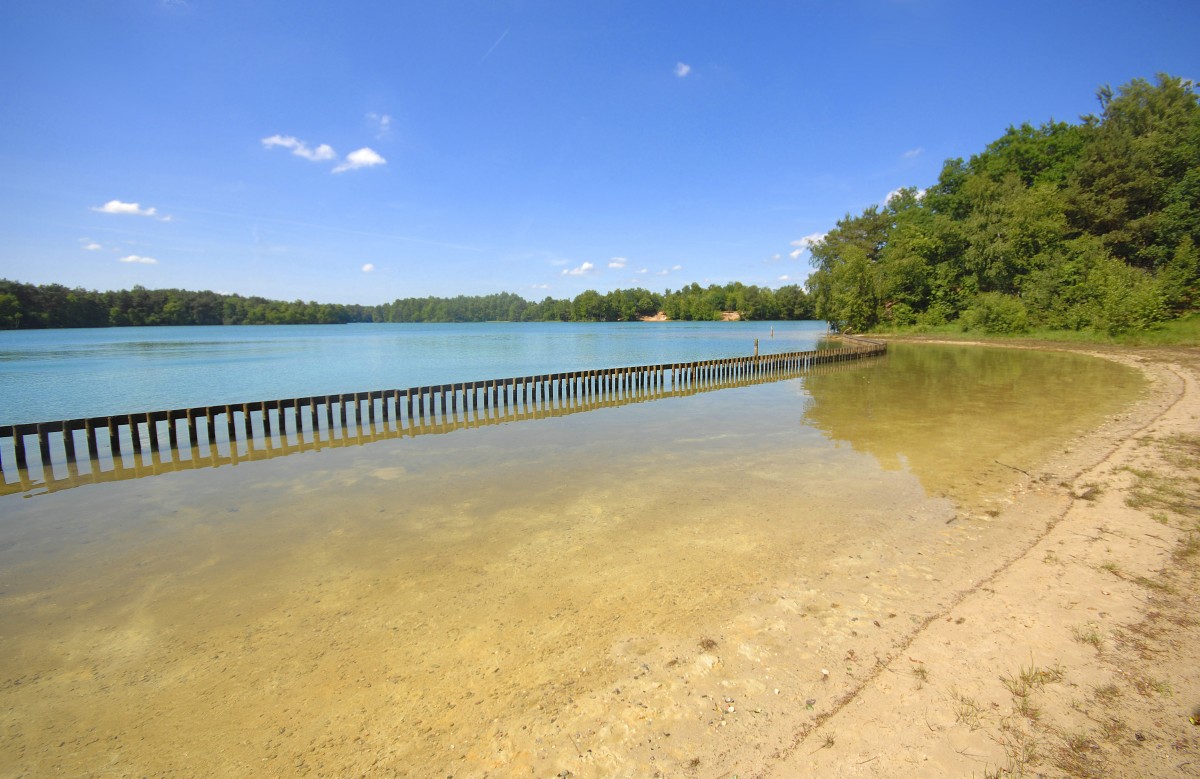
[(995, 313)]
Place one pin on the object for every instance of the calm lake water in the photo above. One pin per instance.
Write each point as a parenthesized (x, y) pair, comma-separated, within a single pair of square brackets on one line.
[(48, 375), (580, 593)]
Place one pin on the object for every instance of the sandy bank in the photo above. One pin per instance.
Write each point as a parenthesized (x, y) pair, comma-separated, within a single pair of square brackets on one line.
[(1078, 657)]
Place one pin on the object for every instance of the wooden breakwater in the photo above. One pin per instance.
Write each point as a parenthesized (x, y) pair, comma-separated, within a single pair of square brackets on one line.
[(155, 439)]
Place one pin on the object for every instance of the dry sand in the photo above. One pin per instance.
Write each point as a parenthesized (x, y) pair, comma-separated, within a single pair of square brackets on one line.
[(1080, 656)]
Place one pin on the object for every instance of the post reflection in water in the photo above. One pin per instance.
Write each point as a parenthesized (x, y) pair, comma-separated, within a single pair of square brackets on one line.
[(359, 429)]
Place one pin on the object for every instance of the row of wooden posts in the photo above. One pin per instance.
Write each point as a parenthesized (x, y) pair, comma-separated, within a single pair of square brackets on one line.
[(107, 437)]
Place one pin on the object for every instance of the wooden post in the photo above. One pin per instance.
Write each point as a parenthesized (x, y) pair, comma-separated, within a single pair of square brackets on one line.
[(68, 444), (114, 437), (19, 449), (43, 434), (93, 447)]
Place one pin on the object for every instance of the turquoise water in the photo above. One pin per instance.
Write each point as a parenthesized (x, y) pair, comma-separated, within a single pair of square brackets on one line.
[(64, 374)]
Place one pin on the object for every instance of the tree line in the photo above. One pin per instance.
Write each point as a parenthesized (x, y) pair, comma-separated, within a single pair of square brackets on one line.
[(1088, 226), (29, 306)]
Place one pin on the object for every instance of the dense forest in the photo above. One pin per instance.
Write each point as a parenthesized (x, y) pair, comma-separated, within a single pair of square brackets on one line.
[(28, 306), (1090, 226)]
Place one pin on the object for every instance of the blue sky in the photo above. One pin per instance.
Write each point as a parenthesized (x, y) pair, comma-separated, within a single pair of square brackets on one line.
[(358, 152)]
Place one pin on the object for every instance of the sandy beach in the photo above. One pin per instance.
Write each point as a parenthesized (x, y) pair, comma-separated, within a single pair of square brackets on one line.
[(1077, 657)]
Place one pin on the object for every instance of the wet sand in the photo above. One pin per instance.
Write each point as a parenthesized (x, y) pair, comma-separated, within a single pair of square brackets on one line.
[(683, 588), (1077, 656)]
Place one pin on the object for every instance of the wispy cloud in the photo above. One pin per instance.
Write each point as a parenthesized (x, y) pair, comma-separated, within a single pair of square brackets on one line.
[(381, 123), (805, 244), (676, 267), (682, 69), (913, 153), (88, 245), (617, 262), (322, 153), (370, 266), (582, 270), (539, 286), (493, 47), (365, 157), (785, 277), (118, 207), (362, 158), (136, 260)]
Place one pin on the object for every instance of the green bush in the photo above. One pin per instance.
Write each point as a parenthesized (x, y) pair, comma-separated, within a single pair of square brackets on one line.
[(996, 314)]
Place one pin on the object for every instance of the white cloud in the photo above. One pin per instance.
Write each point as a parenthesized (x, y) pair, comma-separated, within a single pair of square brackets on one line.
[(644, 270), (662, 273), (785, 277), (88, 245), (682, 69), (913, 153), (539, 286), (895, 192), (776, 258), (362, 158), (117, 207), (382, 124), (617, 262), (582, 270), (676, 267), (300, 148), (370, 266), (805, 244), (135, 259)]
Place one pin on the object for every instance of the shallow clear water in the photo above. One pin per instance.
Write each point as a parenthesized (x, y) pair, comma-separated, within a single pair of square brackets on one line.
[(49, 375), (571, 594)]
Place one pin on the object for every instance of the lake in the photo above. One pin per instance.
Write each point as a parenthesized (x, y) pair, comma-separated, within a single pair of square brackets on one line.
[(610, 593), (49, 375)]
